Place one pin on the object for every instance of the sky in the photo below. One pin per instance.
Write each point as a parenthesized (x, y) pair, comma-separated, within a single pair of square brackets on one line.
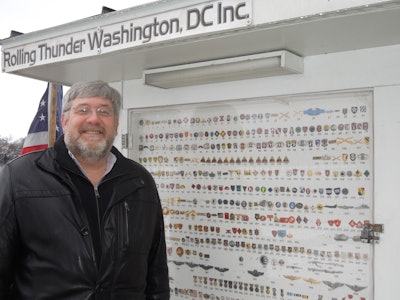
[(20, 96)]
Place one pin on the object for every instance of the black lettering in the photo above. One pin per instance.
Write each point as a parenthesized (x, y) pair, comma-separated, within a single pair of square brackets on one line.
[(68, 47), (78, 46), (203, 14), (62, 49), (32, 57), (138, 33), (49, 52), (228, 12), (164, 28), (116, 37), (107, 40), (126, 35), (193, 18), (147, 30), (196, 17), (71, 47), (20, 58), (96, 40), (155, 27), (237, 13), (7, 59), (219, 13), (174, 25)]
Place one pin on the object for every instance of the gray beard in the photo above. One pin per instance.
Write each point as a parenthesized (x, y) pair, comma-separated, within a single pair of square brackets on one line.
[(80, 149)]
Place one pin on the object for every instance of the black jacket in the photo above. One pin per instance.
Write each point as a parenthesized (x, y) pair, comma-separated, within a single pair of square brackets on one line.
[(46, 241)]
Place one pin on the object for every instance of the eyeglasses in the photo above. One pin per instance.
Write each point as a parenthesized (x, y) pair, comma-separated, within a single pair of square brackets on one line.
[(84, 110)]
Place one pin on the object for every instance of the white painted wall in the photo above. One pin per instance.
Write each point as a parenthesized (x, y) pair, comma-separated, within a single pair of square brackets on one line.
[(387, 187), (377, 68)]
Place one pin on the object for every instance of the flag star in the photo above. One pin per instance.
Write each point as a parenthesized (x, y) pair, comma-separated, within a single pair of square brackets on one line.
[(42, 117), (42, 103)]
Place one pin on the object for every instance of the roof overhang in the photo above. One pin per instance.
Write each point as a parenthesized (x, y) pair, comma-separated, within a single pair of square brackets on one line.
[(343, 30)]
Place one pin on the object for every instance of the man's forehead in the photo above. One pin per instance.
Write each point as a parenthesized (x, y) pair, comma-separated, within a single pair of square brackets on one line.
[(91, 100)]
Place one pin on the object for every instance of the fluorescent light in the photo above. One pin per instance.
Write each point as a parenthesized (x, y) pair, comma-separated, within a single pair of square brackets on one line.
[(228, 69)]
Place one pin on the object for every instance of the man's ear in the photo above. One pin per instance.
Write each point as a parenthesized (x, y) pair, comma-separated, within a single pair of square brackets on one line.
[(64, 120)]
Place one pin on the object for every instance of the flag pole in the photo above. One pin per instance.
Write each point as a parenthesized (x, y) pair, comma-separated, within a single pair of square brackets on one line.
[(52, 113)]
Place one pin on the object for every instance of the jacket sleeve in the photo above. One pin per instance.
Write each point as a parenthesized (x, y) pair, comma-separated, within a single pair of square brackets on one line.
[(8, 235), (157, 277)]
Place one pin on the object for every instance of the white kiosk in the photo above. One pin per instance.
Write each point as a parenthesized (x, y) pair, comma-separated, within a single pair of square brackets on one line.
[(271, 128)]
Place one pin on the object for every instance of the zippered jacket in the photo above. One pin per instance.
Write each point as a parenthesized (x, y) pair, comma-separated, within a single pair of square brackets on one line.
[(46, 242)]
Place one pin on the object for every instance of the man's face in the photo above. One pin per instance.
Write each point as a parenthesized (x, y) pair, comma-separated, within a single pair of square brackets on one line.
[(90, 127)]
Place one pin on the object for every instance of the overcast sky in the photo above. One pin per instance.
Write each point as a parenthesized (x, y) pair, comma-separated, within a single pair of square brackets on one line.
[(20, 96)]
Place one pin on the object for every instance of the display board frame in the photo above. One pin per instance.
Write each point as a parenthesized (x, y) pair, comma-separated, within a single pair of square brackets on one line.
[(264, 198)]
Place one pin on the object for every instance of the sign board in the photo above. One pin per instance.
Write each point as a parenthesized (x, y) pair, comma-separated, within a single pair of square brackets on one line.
[(189, 21)]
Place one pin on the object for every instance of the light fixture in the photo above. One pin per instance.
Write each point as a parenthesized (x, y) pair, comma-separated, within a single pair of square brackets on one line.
[(228, 69)]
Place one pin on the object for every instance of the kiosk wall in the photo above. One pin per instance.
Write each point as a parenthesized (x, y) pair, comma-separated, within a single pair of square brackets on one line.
[(266, 184), (272, 186)]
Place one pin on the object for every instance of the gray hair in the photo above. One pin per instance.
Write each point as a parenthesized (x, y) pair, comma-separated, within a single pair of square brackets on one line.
[(88, 89)]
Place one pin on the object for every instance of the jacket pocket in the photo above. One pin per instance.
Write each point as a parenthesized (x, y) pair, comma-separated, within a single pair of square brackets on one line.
[(125, 232), (137, 226)]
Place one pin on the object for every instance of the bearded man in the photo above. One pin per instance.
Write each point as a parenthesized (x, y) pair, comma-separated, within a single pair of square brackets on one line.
[(79, 220)]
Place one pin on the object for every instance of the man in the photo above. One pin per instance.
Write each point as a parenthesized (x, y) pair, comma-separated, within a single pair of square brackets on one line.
[(79, 220)]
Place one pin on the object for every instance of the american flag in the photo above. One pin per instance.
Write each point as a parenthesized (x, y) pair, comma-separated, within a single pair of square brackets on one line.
[(38, 134)]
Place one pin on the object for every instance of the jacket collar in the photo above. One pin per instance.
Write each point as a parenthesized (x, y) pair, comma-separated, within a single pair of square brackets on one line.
[(131, 175), (59, 153)]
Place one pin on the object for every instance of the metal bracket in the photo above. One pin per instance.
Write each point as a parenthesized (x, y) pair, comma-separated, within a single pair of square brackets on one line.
[(125, 141), (371, 233)]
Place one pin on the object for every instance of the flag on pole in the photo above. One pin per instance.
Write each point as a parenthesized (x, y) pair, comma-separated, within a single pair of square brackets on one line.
[(39, 134)]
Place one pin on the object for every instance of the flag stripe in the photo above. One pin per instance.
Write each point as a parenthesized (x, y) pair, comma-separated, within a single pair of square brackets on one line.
[(38, 134), (33, 148), (37, 138)]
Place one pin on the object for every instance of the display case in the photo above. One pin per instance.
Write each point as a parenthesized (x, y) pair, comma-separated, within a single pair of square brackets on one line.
[(264, 198)]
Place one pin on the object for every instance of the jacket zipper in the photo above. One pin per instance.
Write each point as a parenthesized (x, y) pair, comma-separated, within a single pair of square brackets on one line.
[(97, 195), (127, 209)]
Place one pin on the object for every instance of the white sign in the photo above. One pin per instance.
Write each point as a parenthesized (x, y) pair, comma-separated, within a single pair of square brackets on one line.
[(205, 18)]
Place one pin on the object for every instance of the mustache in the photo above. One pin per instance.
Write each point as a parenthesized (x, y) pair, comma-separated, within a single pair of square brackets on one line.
[(92, 128)]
